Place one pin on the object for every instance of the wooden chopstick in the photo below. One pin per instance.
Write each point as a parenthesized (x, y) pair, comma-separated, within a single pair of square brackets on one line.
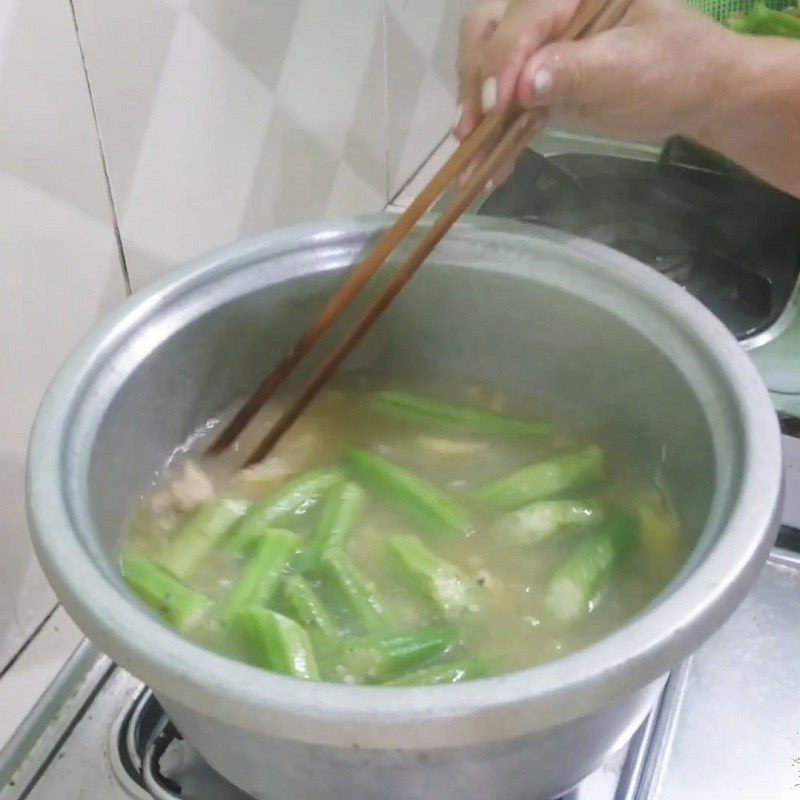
[(485, 133), (516, 130), (517, 134)]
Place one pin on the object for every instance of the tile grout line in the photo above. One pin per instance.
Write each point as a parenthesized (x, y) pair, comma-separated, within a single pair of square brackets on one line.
[(24, 646), (77, 718), (385, 33), (411, 178), (103, 161)]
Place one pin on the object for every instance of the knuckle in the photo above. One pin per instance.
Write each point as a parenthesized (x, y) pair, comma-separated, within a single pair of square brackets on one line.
[(571, 75)]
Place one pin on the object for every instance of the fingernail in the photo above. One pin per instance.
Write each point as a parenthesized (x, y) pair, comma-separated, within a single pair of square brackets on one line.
[(459, 115), (489, 94), (489, 185), (542, 82)]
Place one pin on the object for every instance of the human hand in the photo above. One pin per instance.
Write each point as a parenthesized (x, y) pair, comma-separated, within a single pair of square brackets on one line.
[(660, 71)]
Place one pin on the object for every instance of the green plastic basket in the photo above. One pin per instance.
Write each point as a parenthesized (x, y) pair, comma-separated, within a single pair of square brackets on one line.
[(720, 10)]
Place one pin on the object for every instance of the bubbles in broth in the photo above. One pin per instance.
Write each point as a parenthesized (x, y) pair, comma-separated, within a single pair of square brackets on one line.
[(397, 537)]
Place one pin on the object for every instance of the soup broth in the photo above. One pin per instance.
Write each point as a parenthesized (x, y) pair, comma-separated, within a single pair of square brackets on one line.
[(403, 538)]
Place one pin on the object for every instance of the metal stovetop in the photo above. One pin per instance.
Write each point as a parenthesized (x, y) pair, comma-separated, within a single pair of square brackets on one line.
[(727, 725)]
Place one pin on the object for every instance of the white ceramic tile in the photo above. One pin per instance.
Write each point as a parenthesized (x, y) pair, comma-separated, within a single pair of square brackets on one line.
[(35, 670), (365, 147), (432, 118), (59, 268), (9, 9), (406, 68), (255, 32), (293, 178), (326, 63), (58, 271), (198, 155), (421, 19), (47, 130), (125, 43), (57, 262), (145, 265), (425, 172), (26, 596), (420, 102), (352, 195)]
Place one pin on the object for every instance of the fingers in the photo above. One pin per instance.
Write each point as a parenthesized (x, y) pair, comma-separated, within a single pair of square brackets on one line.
[(476, 29), (495, 40), (527, 25), (503, 172), (476, 162), (568, 73)]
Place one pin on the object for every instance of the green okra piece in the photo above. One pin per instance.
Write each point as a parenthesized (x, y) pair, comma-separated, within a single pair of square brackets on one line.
[(341, 511), (269, 556), (358, 591), (374, 659), (573, 587), (538, 521), (307, 608), (277, 642), (544, 479), (421, 500), (448, 672), (178, 604), (441, 582), (203, 531), (451, 417), (292, 497)]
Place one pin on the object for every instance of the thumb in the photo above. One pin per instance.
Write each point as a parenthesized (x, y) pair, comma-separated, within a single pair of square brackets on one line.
[(563, 73)]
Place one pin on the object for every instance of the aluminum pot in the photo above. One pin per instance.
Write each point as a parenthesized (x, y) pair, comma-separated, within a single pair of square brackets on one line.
[(527, 309)]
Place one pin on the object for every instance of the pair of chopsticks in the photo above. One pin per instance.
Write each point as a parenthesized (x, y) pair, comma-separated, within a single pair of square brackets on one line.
[(513, 130)]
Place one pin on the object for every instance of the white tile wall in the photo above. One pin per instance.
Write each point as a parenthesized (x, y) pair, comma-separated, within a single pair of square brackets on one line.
[(238, 108), (199, 150), (218, 118), (325, 66), (425, 172), (58, 265), (421, 42), (243, 115)]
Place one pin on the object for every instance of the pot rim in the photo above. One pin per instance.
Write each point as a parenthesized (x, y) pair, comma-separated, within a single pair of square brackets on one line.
[(499, 707)]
